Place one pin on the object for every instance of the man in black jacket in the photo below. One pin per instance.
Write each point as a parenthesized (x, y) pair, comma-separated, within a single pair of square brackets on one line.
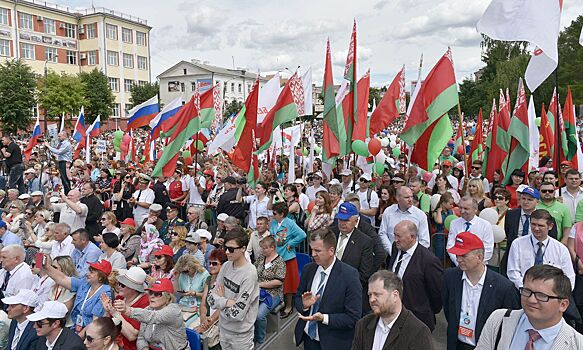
[(228, 203), (13, 161), (49, 324), (94, 210), (161, 195)]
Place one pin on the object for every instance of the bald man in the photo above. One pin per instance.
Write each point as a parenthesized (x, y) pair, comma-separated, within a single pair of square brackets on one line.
[(15, 273)]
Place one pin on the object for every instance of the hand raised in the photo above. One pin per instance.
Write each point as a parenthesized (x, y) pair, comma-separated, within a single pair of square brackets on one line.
[(309, 299)]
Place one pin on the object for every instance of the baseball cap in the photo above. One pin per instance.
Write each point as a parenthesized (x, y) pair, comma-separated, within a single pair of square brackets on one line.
[(446, 163), (346, 172), (222, 217), (334, 182), (533, 192), (102, 265), (133, 278), (465, 242), (129, 222), (162, 285), (365, 176), (318, 174), (24, 196), (164, 250), (567, 163), (50, 309), (36, 193), (346, 211), (299, 181), (192, 238), (3, 224), (25, 297)]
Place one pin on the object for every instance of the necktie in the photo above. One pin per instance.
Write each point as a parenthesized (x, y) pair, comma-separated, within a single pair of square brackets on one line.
[(6, 279), (399, 261), (16, 338), (526, 225), (312, 325), (538, 259), (532, 337), (138, 198), (468, 224), (341, 246)]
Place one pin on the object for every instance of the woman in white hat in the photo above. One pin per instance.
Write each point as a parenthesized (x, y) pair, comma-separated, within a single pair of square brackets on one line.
[(204, 245)]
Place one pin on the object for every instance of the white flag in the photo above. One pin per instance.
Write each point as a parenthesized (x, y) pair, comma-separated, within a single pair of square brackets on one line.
[(581, 37), (308, 103), (291, 138), (268, 95), (225, 139), (537, 22), (533, 136)]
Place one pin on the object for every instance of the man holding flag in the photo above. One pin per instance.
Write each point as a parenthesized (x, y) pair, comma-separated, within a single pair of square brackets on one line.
[(64, 154)]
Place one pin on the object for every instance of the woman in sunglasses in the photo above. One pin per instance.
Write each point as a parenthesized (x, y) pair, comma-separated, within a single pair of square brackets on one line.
[(190, 286), (122, 192), (177, 236), (109, 223), (162, 326), (209, 316), (101, 334)]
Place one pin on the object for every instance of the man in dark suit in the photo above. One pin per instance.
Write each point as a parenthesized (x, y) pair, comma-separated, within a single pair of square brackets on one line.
[(228, 203), (94, 209), (420, 271), (471, 292), (49, 324), (329, 298), (391, 325), (354, 247), (21, 335)]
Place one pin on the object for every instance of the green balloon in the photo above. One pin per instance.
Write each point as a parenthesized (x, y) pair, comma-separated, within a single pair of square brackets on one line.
[(199, 145), (118, 135), (396, 152), (186, 154), (379, 168), (304, 152), (448, 221), (317, 149), (360, 148), (537, 121)]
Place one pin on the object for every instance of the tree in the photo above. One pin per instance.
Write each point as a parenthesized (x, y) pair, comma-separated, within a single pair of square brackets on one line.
[(17, 95), (99, 99), (142, 93), (374, 94), (232, 108), (61, 94)]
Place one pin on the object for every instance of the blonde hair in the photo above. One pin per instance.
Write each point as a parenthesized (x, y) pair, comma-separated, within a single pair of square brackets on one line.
[(181, 232), (109, 215), (67, 265), (188, 262), (479, 185)]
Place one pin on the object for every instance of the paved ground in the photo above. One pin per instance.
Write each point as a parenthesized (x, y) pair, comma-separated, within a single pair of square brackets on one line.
[(284, 340)]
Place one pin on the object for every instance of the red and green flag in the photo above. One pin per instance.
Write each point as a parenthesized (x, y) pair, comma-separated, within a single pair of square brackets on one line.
[(458, 136), (494, 155), (347, 97), (547, 140), (477, 145), (572, 147), (333, 130), (519, 153), (360, 131), (245, 130), (431, 143), (555, 118), (211, 106), (391, 106)]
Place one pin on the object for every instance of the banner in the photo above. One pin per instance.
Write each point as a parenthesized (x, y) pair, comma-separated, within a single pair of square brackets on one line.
[(291, 138), (204, 85), (101, 146)]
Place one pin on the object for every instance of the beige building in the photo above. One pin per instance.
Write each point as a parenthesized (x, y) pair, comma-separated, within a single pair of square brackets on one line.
[(54, 37)]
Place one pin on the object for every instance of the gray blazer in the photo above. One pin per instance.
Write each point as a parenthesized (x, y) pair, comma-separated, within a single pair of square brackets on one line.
[(567, 339)]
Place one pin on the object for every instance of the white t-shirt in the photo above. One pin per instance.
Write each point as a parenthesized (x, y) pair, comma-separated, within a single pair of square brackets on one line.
[(145, 196), (311, 191), (365, 204), (304, 201), (193, 195)]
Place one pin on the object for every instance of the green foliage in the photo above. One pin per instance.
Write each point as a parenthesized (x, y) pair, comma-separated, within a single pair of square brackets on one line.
[(99, 99), (60, 94), (143, 93), (232, 108), (374, 94), (17, 95)]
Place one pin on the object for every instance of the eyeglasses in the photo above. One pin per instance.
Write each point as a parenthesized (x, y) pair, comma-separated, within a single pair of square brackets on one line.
[(231, 249), (547, 191), (525, 292), (214, 263), (90, 339), (155, 294), (41, 324), (102, 219), (499, 198), (28, 213)]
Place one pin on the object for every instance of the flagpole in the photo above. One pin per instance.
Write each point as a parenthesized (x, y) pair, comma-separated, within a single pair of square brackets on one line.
[(558, 128), (406, 116), (196, 153), (459, 111)]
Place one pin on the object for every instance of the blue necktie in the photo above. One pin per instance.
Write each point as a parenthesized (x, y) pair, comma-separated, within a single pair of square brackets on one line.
[(526, 225), (468, 224), (538, 258), (312, 325)]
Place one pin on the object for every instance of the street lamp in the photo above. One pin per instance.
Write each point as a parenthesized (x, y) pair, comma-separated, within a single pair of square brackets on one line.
[(53, 57)]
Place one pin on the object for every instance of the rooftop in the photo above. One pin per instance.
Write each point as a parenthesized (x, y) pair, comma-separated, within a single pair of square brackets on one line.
[(239, 72)]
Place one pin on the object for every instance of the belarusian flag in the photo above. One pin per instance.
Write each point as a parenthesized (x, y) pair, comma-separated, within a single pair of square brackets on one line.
[(458, 136), (502, 136), (519, 152), (573, 147), (555, 118), (392, 104), (245, 133), (332, 129), (547, 139), (360, 131), (477, 146), (285, 110), (437, 95), (347, 96), (431, 143), (494, 155), (211, 106)]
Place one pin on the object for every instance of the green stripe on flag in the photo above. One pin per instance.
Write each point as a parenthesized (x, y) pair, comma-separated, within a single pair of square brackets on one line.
[(440, 136)]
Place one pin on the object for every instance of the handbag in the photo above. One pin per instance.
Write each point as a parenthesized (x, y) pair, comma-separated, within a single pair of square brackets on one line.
[(212, 334)]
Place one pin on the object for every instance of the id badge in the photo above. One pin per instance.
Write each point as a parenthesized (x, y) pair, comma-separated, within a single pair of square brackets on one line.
[(466, 327), (78, 324)]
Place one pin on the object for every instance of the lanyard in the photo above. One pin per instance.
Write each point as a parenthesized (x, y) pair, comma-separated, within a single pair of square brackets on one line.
[(544, 247), (87, 296)]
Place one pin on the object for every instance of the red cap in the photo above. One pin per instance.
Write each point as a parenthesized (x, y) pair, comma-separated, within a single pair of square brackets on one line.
[(162, 285), (102, 265), (129, 222), (164, 250), (446, 163), (465, 242), (567, 163), (209, 172)]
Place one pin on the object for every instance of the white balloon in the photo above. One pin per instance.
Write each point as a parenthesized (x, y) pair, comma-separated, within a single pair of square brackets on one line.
[(490, 215), (434, 200), (393, 137), (380, 157), (385, 142), (393, 144), (499, 234)]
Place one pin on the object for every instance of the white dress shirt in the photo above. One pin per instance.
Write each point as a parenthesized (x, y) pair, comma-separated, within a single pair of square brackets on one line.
[(342, 243), (382, 332), (145, 196), (64, 248), (405, 259), (314, 290), (521, 222), (469, 307), (393, 215), (20, 278), (18, 332), (478, 227), (523, 251), (571, 201)]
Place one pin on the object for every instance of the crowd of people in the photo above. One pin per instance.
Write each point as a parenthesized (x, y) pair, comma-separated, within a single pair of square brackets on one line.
[(102, 255)]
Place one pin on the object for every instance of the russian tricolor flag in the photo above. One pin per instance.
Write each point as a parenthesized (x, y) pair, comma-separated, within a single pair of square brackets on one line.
[(80, 129), (36, 134), (142, 114), (164, 116), (95, 128)]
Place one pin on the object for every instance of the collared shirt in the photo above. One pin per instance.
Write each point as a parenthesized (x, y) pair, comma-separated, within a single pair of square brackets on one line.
[(314, 290), (560, 213), (257, 208), (20, 278), (521, 222), (570, 200), (20, 327), (64, 248), (365, 204), (145, 196), (393, 215), (548, 335), (50, 346), (9, 238), (343, 241), (382, 332), (479, 227), (405, 259), (194, 196), (63, 151), (470, 301), (70, 217), (522, 254), (82, 258)]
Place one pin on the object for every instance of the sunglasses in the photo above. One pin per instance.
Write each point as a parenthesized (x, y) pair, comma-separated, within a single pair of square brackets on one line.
[(28, 213), (547, 191), (121, 285), (499, 198), (231, 249), (102, 219), (41, 324), (214, 263), (155, 294), (476, 167), (91, 339)]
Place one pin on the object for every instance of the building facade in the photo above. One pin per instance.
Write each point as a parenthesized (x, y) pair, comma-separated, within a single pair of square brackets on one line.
[(54, 37)]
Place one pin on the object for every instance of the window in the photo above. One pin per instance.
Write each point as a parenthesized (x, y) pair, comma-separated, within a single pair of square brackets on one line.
[(128, 84), (232, 87), (91, 31), (193, 85), (71, 57), (4, 16), (111, 31), (27, 51), (49, 26), (142, 83), (112, 58), (127, 35), (182, 87), (92, 58), (113, 84), (142, 63), (50, 54), (184, 71), (70, 30), (26, 21), (240, 85), (128, 60), (248, 87), (4, 47), (141, 38), (115, 109), (128, 107)]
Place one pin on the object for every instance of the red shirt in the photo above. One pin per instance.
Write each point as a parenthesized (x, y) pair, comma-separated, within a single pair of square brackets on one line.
[(175, 189), (142, 303)]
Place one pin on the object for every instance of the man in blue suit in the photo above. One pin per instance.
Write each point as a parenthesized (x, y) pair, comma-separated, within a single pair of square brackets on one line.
[(329, 298), (21, 336), (471, 292)]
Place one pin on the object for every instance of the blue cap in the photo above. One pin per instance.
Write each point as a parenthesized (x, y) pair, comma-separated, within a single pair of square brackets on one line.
[(346, 211), (533, 192), (3, 224)]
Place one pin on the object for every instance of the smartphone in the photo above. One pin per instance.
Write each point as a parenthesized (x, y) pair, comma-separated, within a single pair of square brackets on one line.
[(40, 260)]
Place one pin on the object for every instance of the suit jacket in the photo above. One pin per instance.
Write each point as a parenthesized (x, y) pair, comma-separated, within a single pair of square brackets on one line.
[(68, 340), (379, 253), (567, 339), (421, 284), (341, 300), (28, 338), (497, 293), (94, 212), (511, 224), (407, 333)]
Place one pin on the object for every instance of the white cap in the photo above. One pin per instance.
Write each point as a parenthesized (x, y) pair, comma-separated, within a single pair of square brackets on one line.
[(222, 217), (202, 233), (299, 181), (155, 207), (25, 297), (521, 188), (346, 172), (24, 196), (36, 193), (54, 199), (334, 182), (319, 174), (50, 309), (29, 171), (366, 176)]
